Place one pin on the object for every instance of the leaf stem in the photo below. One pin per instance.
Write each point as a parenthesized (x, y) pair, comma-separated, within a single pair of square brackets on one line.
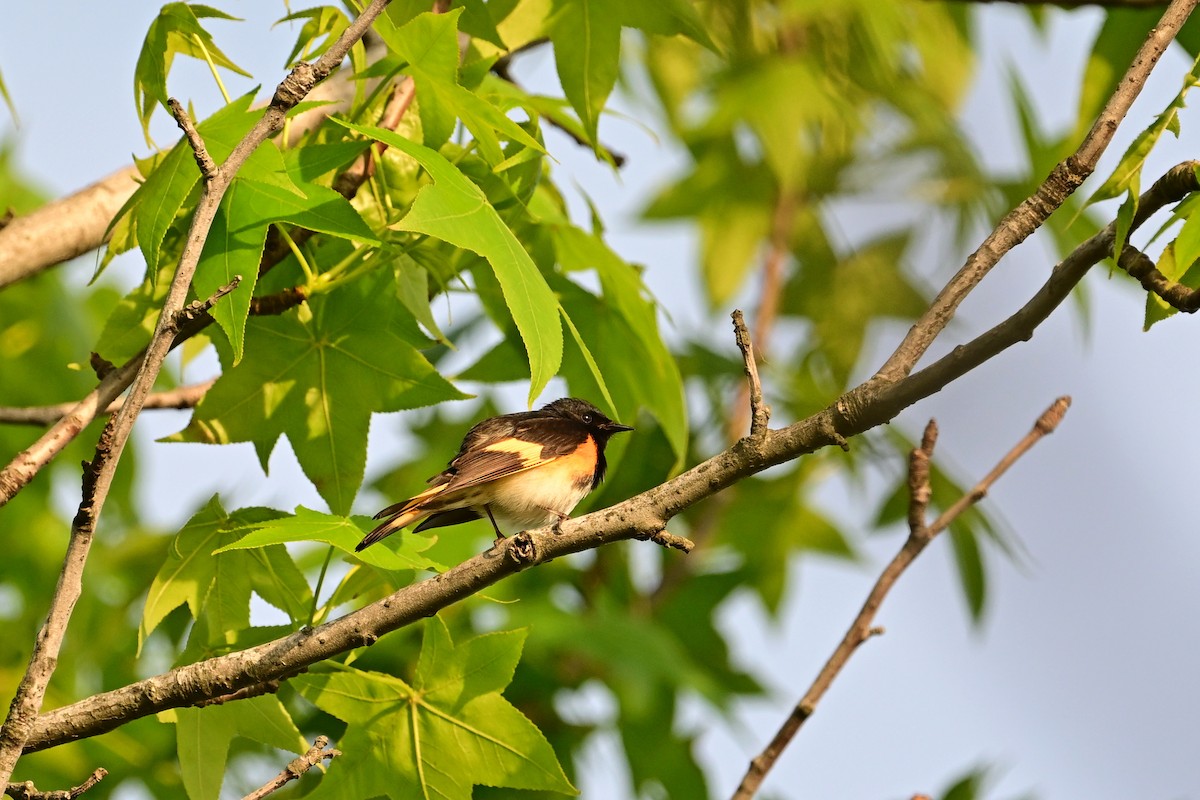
[(309, 276), (211, 67), (312, 614)]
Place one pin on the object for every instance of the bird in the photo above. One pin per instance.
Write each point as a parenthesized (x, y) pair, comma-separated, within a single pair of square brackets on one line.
[(527, 469)]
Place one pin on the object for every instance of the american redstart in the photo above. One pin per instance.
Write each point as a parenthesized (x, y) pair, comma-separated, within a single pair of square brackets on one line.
[(527, 469)]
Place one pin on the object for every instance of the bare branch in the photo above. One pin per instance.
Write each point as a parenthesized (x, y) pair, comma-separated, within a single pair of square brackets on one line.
[(919, 490), (1027, 217), (298, 766), (27, 791), (99, 474), (183, 397), (879, 405), (861, 628), (1046, 424), (64, 229), (208, 167), (759, 413)]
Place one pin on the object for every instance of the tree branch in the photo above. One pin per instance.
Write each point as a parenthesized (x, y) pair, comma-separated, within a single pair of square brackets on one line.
[(1140, 267), (99, 474), (1027, 217), (920, 535), (760, 415), (182, 397), (644, 516), (298, 766), (64, 229), (27, 791), (1171, 187)]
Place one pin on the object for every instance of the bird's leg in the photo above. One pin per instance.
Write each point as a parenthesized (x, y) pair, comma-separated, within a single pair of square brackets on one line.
[(556, 528), (495, 527)]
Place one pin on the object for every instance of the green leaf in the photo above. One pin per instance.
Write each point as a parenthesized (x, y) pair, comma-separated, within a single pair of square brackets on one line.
[(640, 371), (429, 43), (1126, 177), (412, 289), (591, 363), (323, 21), (176, 30), (188, 571), (157, 202), (587, 48), (317, 377), (231, 249), (189, 574), (341, 532), (971, 574), (203, 736), (451, 730), (455, 210), (131, 323), (968, 787)]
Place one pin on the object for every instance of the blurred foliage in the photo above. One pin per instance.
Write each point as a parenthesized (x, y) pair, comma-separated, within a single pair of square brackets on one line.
[(788, 114)]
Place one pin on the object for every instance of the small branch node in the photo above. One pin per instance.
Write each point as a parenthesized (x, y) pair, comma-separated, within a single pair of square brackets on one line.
[(523, 549), (319, 751), (681, 543), (195, 309), (1053, 415), (208, 167), (877, 630), (101, 366), (760, 414)]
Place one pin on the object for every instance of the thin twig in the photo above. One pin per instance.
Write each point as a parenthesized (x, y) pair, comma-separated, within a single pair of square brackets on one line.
[(1027, 217), (860, 629), (182, 397), (27, 791), (760, 414), (198, 308), (298, 766), (862, 408), (670, 540), (919, 490), (99, 474), (208, 167)]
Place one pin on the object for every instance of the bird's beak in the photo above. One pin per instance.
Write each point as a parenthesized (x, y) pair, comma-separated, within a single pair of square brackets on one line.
[(616, 427)]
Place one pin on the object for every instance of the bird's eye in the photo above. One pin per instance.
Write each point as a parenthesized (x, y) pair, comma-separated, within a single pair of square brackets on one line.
[(587, 419)]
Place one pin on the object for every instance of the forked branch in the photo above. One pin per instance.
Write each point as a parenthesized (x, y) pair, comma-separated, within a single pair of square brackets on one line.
[(920, 535)]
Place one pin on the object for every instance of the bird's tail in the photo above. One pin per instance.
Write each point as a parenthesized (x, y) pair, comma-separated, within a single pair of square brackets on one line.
[(390, 526), (398, 516)]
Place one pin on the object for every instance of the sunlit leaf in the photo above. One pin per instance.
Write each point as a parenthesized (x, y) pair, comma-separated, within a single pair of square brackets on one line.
[(446, 732), (456, 211)]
